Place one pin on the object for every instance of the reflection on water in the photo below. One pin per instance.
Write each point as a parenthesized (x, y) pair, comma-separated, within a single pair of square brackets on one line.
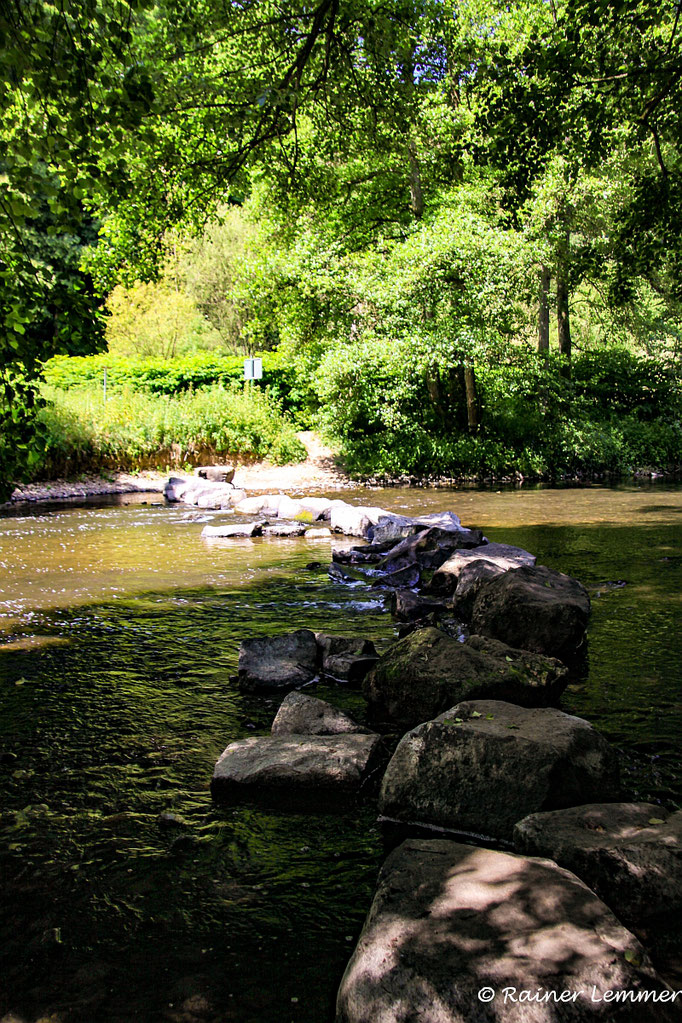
[(129, 896)]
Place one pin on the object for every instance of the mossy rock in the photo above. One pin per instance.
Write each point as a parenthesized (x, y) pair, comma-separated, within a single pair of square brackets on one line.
[(428, 671)]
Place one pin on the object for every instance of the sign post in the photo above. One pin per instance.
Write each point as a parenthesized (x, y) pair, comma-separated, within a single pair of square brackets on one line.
[(253, 369)]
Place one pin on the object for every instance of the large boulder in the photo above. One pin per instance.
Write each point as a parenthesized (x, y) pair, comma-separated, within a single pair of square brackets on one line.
[(428, 671), (502, 555), (485, 764), (536, 608), (630, 854), (278, 662), (470, 580), (305, 715), (348, 658), (456, 933), (296, 770)]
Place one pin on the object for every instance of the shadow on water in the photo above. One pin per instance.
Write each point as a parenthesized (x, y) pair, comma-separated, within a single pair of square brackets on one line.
[(116, 913)]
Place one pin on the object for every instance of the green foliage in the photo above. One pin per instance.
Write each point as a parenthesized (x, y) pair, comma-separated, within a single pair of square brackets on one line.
[(137, 430), (172, 376), (391, 420)]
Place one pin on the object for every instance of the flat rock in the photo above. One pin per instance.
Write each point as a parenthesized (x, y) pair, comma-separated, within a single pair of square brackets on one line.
[(348, 658), (449, 920), (445, 520), (297, 770), (278, 662), (305, 509), (536, 608), (320, 533), (630, 854), (485, 764), (445, 579), (284, 529), (305, 715), (234, 530), (262, 504), (428, 671)]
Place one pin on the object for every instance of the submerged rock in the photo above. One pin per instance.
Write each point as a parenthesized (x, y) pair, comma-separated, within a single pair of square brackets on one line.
[(346, 657), (450, 922), (305, 715), (428, 671), (484, 765), (445, 579), (535, 607), (297, 770), (630, 854), (278, 662)]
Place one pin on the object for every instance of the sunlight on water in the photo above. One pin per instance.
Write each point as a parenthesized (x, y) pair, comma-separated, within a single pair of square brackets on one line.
[(120, 628)]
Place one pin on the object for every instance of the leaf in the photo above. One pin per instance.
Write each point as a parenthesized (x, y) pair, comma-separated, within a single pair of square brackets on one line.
[(476, 714), (632, 957), (656, 820)]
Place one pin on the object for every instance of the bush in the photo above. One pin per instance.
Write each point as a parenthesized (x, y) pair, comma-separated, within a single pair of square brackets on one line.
[(135, 430), (192, 372)]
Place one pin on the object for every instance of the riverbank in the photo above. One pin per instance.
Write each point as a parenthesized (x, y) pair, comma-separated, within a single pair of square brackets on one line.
[(321, 471)]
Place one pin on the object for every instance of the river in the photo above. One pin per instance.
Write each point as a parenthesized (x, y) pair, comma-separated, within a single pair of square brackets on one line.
[(119, 631)]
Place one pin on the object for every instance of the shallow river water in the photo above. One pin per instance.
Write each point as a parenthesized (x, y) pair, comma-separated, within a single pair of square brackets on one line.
[(119, 631)]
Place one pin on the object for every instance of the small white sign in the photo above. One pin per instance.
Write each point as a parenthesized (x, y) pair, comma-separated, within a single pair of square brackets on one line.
[(253, 369)]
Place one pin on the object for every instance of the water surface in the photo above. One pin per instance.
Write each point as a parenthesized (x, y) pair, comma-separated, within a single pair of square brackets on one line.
[(120, 627)]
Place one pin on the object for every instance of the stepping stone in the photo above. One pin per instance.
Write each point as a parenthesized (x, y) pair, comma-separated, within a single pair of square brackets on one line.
[(305, 715), (630, 854), (502, 555), (456, 933), (428, 671), (234, 530), (536, 608), (485, 764), (347, 658), (313, 771), (278, 662)]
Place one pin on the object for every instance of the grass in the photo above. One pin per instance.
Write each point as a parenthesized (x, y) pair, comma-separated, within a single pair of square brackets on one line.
[(134, 430)]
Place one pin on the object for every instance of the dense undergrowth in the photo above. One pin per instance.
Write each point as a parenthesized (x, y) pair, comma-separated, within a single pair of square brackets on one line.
[(386, 414), (132, 430), (618, 413)]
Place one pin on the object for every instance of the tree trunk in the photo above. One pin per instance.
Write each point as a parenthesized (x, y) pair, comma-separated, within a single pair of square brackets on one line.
[(543, 310), (563, 318), (472, 406), (416, 193)]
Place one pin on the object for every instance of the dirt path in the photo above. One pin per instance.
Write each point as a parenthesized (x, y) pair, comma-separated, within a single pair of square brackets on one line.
[(318, 472)]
